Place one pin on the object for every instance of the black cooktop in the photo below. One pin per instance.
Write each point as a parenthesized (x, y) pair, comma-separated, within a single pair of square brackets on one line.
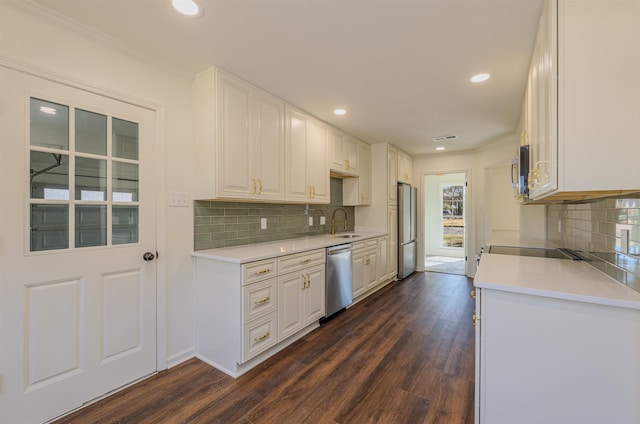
[(539, 252)]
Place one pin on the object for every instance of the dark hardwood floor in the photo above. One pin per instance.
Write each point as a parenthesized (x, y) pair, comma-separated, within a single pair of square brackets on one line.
[(403, 355)]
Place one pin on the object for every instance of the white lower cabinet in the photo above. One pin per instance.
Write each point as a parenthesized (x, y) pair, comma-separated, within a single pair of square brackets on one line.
[(301, 296), (549, 360), (370, 266), (248, 312)]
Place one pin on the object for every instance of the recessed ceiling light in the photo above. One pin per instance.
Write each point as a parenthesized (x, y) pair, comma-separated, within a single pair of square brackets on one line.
[(339, 111), (480, 77), (188, 7), (441, 148), (47, 109)]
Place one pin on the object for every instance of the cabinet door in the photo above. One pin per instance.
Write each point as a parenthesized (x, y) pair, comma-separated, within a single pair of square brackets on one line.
[(337, 139), (364, 166), (295, 155), (318, 162), (358, 284), (350, 150), (392, 264), (314, 295), (383, 258), (370, 269), (405, 167), (235, 143), (543, 91), (269, 147), (290, 306), (392, 167)]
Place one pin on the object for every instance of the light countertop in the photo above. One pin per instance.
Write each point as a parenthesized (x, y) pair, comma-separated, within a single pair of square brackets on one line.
[(555, 278), (259, 251)]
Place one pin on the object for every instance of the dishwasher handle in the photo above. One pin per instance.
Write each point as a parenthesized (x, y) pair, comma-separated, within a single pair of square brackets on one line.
[(336, 250)]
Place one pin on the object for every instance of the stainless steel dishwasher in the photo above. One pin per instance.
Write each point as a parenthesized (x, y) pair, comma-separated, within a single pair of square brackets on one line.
[(339, 290)]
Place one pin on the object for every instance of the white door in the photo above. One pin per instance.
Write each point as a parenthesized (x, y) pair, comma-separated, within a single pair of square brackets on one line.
[(77, 299)]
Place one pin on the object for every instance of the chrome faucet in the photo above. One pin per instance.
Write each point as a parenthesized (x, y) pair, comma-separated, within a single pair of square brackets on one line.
[(333, 219)]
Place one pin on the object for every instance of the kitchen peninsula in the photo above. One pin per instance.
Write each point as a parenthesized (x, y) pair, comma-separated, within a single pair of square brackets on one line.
[(556, 341)]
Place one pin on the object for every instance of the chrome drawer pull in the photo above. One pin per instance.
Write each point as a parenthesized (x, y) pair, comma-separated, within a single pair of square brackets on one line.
[(266, 299), (264, 336)]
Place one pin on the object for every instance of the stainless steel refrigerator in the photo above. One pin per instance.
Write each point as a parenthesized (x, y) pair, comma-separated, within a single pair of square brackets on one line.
[(407, 229)]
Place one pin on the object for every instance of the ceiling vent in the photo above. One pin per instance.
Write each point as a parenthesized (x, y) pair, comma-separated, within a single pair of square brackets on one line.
[(445, 138)]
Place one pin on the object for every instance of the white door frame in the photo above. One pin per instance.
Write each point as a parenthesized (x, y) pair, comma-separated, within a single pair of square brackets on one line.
[(161, 310), (468, 216)]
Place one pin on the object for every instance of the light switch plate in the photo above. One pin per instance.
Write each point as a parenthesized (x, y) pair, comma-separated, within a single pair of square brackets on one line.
[(310, 220), (323, 220), (263, 223), (178, 199)]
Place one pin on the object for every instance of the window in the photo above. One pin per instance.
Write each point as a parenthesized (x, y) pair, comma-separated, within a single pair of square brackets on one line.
[(452, 215), (83, 178)]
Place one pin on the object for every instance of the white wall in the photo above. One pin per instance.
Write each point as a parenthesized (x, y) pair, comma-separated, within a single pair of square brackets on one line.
[(503, 208), (46, 44), (476, 163)]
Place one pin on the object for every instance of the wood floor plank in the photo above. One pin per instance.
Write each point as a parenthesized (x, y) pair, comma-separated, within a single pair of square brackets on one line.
[(403, 355)]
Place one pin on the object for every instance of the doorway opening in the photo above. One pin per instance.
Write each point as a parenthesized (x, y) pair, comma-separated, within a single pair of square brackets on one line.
[(444, 226)]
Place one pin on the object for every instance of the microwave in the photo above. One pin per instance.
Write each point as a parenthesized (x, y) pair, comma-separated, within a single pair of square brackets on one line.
[(520, 172)]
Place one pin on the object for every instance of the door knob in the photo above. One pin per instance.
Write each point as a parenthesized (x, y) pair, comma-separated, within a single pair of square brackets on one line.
[(148, 256)]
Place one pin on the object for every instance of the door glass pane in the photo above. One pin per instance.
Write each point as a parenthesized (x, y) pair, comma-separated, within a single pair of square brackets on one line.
[(125, 182), (91, 225), (91, 179), (49, 227), (49, 176), (125, 225), (452, 216), (91, 132), (49, 124), (125, 139)]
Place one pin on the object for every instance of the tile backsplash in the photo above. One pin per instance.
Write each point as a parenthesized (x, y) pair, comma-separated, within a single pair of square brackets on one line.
[(595, 228), (224, 224)]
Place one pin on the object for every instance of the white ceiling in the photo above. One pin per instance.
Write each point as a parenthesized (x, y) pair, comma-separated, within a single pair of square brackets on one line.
[(400, 67)]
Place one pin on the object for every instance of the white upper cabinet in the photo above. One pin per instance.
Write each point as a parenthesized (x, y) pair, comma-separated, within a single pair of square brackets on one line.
[(392, 179), (586, 61), (239, 140), (405, 167), (269, 146), (344, 153), (306, 158), (357, 191)]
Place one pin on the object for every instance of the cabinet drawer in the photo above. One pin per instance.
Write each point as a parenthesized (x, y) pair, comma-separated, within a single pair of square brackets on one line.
[(300, 260), (259, 299), (256, 271), (371, 244), (359, 245), (259, 335)]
